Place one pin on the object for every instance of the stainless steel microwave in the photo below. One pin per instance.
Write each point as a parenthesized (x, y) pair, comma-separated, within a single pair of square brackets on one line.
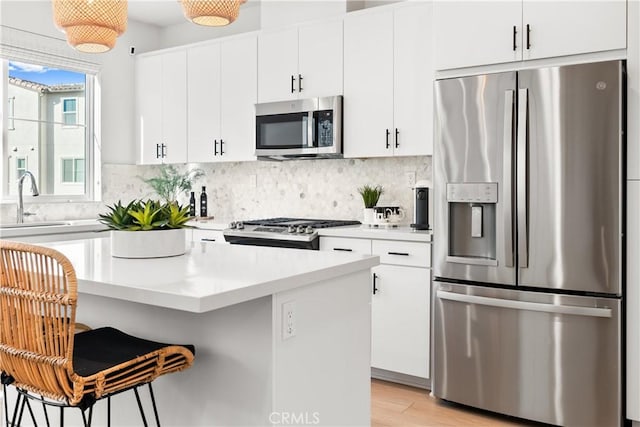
[(304, 128)]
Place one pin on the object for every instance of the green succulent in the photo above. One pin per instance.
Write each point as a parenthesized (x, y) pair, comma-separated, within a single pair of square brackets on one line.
[(370, 195), (147, 215), (118, 217)]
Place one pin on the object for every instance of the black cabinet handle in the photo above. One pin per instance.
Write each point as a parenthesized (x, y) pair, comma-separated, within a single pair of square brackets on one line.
[(398, 253), (221, 143), (157, 151), (164, 151), (515, 31), (375, 277), (215, 147), (397, 143), (388, 137), (343, 249), (207, 240), (299, 82), (293, 80), (528, 37)]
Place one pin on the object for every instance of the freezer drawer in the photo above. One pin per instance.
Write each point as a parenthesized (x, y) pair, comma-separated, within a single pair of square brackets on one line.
[(544, 357)]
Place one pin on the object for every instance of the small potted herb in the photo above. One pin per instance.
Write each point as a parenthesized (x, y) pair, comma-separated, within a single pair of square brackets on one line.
[(370, 196), (170, 182), (146, 229)]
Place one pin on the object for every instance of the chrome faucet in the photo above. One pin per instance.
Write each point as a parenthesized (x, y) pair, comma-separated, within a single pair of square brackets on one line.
[(34, 191)]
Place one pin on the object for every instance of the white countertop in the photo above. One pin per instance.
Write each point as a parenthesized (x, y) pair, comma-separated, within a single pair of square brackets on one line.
[(61, 227), (207, 277), (402, 232)]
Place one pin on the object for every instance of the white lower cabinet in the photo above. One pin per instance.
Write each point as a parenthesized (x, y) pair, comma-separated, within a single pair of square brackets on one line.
[(400, 320), (400, 306), (208, 236)]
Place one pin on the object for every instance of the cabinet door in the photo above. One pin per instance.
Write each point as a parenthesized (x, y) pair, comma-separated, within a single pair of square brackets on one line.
[(413, 77), (148, 108), (204, 102), (320, 56), (573, 27), (470, 33), (400, 320), (368, 84), (277, 64), (174, 106), (239, 95)]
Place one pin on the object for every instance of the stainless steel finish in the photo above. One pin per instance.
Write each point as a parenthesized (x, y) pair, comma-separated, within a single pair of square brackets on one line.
[(525, 305), (469, 148), (34, 191), (575, 177), (507, 159), (476, 221), (472, 261), (250, 231), (523, 176), (310, 105), (518, 353)]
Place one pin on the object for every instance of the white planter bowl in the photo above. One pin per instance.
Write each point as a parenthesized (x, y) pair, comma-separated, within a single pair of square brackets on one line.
[(148, 244)]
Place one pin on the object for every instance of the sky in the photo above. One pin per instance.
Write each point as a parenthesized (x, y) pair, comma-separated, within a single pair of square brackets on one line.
[(44, 75)]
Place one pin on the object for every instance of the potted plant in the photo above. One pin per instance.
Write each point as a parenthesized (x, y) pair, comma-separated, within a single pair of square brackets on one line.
[(146, 229), (370, 196), (171, 182)]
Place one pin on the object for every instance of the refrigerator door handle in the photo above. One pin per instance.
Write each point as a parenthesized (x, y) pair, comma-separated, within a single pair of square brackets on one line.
[(525, 305), (508, 177), (522, 173)]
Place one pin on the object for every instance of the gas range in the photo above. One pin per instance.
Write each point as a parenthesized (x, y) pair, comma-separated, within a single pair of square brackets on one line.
[(280, 232)]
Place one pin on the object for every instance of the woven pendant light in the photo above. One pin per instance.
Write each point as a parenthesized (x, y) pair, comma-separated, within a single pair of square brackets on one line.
[(91, 26), (213, 13)]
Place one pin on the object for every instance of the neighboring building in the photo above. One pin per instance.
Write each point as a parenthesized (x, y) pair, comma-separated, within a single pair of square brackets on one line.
[(47, 120)]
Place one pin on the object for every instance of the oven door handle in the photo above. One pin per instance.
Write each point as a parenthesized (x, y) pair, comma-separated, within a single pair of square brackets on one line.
[(525, 305)]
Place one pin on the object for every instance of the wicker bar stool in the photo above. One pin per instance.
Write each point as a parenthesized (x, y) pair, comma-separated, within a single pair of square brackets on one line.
[(47, 361)]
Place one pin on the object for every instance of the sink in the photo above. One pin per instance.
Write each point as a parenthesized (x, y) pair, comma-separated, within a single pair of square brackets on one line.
[(33, 224)]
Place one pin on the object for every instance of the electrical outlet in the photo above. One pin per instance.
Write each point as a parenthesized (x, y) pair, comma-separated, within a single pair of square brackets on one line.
[(288, 320), (410, 178)]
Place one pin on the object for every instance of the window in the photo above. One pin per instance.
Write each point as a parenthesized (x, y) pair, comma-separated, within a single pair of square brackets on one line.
[(69, 112), (21, 166), (50, 117), (72, 170)]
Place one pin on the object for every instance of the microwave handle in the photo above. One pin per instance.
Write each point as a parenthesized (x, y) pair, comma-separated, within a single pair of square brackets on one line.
[(311, 130)]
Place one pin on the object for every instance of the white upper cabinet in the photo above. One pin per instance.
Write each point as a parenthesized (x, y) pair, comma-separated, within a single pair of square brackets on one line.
[(388, 79), (475, 33), (300, 62), (161, 103), (222, 79), (558, 28)]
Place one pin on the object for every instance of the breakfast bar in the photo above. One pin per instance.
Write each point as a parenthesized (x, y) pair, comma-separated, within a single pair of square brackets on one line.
[(282, 336)]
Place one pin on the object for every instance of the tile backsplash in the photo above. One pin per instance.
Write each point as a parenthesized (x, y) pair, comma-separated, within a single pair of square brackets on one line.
[(299, 188)]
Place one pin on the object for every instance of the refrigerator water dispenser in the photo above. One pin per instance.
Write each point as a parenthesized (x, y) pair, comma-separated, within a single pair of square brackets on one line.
[(472, 222)]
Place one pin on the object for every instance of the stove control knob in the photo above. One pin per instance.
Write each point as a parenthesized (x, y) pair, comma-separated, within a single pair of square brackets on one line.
[(309, 229), (233, 225), (291, 229), (300, 229), (240, 225)]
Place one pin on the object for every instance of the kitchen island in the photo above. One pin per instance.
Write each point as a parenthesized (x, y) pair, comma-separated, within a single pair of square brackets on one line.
[(253, 366)]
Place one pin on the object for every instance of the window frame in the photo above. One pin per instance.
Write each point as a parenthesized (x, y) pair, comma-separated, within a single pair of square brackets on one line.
[(74, 170), (26, 166), (92, 160), (75, 123)]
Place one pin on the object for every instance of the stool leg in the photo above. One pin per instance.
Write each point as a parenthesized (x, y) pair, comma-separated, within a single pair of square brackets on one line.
[(155, 408), (44, 408), (14, 418), (144, 419), (33, 417), (109, 411), (61, 417), (24, 401), (6, 405)]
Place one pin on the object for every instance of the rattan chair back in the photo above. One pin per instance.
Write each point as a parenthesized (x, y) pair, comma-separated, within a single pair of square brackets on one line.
[(38, 297)]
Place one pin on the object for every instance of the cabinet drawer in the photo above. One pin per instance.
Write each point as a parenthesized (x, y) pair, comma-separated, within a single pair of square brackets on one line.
[(212, 236), (359, 246), (402, 253)]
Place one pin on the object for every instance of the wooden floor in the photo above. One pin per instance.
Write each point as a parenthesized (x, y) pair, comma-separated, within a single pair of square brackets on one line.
[(398, 405)]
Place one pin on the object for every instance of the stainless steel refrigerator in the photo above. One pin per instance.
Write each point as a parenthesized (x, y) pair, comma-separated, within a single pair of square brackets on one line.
[(528, 243)]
